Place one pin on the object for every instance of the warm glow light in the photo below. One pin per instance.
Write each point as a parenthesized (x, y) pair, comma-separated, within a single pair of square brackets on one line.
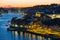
[(25, 3), (42, 30)]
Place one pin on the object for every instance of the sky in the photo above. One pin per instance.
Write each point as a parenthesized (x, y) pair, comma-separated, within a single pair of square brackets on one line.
[(26, 3)]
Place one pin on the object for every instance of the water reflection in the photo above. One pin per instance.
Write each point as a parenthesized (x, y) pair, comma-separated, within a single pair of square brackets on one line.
[(27, 36), (14, 35)]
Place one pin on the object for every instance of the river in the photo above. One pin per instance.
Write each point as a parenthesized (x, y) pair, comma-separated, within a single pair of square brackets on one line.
[(14, 35)]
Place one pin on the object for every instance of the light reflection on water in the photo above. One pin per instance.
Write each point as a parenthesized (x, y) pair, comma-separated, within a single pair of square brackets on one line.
[(27, 36)]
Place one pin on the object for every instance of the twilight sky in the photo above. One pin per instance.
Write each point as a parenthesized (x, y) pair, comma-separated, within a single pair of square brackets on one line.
[(25, 3)]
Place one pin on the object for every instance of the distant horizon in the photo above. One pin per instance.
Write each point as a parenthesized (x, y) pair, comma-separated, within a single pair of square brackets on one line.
[(9, 6), (26, 3)]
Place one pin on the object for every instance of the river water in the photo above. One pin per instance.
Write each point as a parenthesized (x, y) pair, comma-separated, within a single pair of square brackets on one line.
[(14, 35)]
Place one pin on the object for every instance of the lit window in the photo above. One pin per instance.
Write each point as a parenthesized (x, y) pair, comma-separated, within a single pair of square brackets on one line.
[(38, 14)]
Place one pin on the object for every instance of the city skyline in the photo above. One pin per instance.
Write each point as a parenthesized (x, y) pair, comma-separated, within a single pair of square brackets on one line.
[(26, 3)]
